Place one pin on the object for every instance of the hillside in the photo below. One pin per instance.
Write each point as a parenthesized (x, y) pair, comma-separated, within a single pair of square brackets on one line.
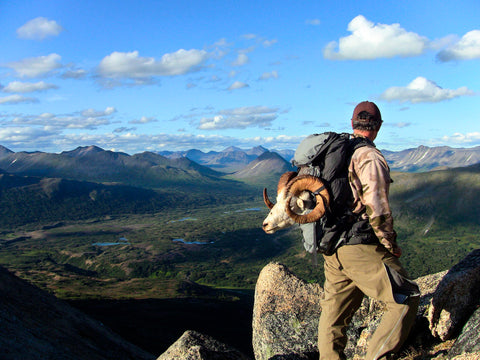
[(32, 199), (264, 170), (36, 325), (424, 158), (95, 164), (228, 160)]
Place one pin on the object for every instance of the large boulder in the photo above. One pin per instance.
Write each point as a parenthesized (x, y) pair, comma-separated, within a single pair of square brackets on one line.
[(287, 310), (469, 339), (193, 345), (285, 315), (456, 297)]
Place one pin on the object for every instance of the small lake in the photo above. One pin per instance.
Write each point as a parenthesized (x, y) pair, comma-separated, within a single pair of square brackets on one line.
[(182, 219), (192, 242), (123, 241), (243, 210)]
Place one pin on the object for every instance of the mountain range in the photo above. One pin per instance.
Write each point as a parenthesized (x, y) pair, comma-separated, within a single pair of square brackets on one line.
[(149, 169), (422, 158)]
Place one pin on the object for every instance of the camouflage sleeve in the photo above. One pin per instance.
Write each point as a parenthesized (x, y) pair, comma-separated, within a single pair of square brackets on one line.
[(373, 179)]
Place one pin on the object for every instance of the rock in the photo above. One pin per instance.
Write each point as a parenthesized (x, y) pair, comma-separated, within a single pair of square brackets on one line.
[(469, 356), (285, 315), (287, 310), (469, 339), (195, 346), (456, 297)]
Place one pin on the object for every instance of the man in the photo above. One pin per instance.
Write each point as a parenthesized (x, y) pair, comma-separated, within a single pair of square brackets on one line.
[(368, 264)]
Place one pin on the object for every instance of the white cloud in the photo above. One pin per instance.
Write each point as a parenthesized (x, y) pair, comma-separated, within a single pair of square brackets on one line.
[(241, 59), (37, 66), (95, 113), (268, 43), (314, 22), (269, 75), (467, 48), (472, 138), (370, 41), (22, 135), (120, 65), (237, 85), (51, 122), (143, 120), (16, 99), (240, 118), (74, 74), (22, 87), (423, 90), (39, 28)]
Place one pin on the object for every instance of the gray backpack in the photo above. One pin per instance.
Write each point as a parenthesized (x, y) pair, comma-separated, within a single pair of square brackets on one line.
[(327, 156)]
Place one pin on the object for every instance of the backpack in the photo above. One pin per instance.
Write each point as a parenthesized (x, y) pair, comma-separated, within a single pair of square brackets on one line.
[(327, 157)]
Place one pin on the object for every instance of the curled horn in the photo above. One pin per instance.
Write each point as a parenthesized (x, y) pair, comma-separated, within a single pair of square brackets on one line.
[(282, 183), (313, 185), (266, 200)]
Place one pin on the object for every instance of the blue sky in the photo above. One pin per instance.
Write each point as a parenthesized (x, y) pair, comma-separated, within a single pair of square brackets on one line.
[(138, 76)]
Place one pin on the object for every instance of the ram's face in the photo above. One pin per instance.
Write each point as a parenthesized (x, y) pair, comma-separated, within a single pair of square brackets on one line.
[(300, 199), (278, 217)]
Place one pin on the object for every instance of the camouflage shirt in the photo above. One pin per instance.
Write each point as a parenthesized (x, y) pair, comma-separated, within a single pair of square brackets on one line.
[(369, 177)]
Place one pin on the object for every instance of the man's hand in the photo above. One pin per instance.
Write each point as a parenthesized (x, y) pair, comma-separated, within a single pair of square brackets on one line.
[(392, 247)]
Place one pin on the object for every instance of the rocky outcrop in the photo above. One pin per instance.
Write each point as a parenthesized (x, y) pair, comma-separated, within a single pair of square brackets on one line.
[(36, 325), (285, 315), (287, 310), (469, 339), (195, 346), (456, 297)]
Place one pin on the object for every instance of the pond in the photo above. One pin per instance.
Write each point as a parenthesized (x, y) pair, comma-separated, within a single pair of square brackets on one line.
[(123, 241)]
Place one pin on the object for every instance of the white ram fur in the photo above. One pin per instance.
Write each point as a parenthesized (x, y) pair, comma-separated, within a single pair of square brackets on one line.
[(278, 219)]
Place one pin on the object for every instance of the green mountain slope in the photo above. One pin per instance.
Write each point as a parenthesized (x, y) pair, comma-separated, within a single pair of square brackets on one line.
[(95, 164)]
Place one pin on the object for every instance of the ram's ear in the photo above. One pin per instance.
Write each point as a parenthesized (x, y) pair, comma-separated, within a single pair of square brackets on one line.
[(301, 204)]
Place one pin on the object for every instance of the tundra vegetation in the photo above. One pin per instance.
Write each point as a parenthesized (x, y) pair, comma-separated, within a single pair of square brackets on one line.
[(218, 244)]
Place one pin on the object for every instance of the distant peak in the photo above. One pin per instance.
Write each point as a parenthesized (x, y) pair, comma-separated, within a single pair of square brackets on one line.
[(4, 150), (232, 149), (83, 150)]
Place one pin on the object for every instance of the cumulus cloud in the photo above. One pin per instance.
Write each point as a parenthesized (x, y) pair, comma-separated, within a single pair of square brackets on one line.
[(467, 48), (74, 74), (237, 85), (240, 118), (57, 123), (241, 60), (22, 87), (39, 29), (25, 135), (143, 120), (472, 138), (95, 113), (370, 41), (16, 99), (36, 66), (423, 90), (269, 75), (121, 65)]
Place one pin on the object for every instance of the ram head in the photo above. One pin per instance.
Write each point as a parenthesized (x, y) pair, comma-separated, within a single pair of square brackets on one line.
[(300, 199)]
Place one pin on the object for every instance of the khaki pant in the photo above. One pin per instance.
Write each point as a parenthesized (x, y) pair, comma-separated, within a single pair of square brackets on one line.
[(361, 269)]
